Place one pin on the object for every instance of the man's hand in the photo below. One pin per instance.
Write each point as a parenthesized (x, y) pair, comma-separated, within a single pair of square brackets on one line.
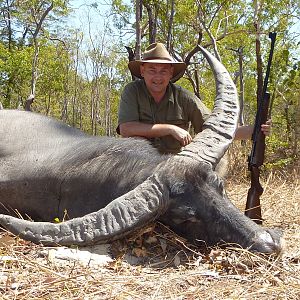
[(245, 132), (181, 135)]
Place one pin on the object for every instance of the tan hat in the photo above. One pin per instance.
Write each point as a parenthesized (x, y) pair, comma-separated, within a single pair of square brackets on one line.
[(158, 54)]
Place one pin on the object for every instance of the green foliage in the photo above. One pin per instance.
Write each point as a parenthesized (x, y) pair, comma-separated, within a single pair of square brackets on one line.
[(81, 83), (280, 163), (230, 25), (15, 74)]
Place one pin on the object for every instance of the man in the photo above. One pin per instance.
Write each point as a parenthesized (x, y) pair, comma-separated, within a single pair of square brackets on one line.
[(159, 110)]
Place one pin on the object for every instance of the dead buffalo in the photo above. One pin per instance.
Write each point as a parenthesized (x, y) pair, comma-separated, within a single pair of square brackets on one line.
[(110, 187)]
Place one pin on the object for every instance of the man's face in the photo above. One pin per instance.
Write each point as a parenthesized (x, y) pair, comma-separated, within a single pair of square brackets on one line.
[(157, 76)]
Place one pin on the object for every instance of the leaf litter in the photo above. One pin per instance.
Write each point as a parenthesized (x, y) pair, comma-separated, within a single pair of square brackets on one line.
[(155, 263)]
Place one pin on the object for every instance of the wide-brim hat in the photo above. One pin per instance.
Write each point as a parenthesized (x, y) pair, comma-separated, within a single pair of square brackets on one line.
[(158, 54)]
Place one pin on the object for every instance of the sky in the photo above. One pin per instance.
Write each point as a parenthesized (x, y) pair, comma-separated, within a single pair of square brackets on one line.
[(84, 12), (93, 15), (88, 16)]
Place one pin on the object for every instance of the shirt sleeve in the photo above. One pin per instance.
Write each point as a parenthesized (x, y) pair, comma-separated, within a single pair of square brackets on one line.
[(128, 108), (198, 113)]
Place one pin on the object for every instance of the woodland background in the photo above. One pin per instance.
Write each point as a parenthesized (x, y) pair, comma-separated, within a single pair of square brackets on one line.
[(77, 75)]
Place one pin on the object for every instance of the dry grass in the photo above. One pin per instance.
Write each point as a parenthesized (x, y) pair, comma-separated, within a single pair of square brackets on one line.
[(169, 268)]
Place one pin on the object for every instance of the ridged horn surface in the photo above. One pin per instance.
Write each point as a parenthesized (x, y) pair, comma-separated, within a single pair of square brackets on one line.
[(123, 215), (219, 129)]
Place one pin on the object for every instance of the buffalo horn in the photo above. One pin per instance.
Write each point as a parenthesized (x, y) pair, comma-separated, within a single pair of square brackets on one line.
[(129, 212), (219, 129)]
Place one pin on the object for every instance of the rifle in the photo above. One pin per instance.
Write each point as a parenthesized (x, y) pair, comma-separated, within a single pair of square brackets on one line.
[(256, 157)]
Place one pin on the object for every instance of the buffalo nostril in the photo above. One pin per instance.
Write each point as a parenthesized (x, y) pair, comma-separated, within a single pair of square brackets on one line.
[(268, 243), (266, 237)]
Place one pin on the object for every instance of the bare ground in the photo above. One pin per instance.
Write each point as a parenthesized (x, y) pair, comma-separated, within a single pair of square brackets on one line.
[(157, 264)]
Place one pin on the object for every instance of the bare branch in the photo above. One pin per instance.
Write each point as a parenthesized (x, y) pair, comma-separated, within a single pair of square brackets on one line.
[(39, 24)]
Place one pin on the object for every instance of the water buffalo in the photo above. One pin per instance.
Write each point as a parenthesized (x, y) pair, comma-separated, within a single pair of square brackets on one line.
[(109, 187)]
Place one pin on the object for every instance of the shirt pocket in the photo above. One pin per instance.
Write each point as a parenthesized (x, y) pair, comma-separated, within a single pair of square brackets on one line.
[(145, 112), (176, 116)]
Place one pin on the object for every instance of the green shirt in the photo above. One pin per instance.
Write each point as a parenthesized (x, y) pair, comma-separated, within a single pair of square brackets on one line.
[(178, 107)]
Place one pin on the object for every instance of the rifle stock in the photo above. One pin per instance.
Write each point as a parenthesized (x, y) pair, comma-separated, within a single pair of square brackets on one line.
[(256, 157), (253, 209)]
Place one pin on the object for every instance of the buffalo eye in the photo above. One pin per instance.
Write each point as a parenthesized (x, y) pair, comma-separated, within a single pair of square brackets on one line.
[(217, 182)]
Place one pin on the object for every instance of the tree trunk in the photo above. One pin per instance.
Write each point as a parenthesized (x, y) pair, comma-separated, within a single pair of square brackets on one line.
[(108, 129), (76, 101), (152, 19), (170, 25), (29, 102), (242, 94), (296, 128), (7, 20), (64, 112), (8, 26), (34, 73), (138, 16), (34, 68)]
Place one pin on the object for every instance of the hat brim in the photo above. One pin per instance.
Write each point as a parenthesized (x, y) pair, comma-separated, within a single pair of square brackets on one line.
[(179, 67)]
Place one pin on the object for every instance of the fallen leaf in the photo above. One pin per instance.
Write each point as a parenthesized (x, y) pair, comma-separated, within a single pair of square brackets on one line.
[(139, 252), (6, 240), (151, 240)]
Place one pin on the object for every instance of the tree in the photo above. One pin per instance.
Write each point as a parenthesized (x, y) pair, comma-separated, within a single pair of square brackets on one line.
[(26, 22), (222, 26)]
